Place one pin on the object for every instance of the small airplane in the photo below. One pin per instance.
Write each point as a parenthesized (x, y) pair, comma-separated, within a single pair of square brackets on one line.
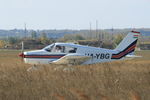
[(74, 54)]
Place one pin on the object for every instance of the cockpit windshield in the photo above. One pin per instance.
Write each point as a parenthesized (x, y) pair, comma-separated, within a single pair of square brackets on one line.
[(49, 48)]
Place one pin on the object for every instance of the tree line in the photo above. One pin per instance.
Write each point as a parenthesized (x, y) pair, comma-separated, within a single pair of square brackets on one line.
[(101, 38)]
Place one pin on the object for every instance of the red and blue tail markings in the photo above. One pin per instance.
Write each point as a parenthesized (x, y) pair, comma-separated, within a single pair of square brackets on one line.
[(45, 56), (125, 52), (135, 32)]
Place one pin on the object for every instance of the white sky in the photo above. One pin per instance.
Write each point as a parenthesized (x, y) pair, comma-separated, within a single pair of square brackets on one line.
[(74, 14)]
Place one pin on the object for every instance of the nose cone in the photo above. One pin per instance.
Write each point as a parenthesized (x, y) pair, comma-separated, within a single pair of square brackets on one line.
[(21, 55)]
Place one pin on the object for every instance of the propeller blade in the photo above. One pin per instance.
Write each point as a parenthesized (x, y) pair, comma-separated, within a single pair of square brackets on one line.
[(22, 51), (22, 46)]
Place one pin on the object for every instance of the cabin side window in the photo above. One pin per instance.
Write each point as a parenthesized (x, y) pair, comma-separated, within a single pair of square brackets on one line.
[(70, 49), (59, 48), (64, 49)]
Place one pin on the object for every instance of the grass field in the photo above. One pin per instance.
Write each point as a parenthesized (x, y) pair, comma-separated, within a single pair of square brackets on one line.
[(120, 80)]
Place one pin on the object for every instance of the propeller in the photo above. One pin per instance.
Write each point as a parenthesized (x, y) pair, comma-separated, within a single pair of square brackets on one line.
[(22, 47), (22, 50)]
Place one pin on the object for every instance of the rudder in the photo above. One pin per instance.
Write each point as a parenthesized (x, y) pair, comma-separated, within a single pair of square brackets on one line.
[(127, 45)]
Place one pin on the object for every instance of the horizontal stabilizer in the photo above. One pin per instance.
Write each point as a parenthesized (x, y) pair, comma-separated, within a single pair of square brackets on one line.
[(133, 56)]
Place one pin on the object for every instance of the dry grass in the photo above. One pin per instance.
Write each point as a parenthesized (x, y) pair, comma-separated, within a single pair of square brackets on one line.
[(135, 96), (121, 80)]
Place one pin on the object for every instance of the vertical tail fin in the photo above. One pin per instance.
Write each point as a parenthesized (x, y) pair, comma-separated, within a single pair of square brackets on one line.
[(127, 45)]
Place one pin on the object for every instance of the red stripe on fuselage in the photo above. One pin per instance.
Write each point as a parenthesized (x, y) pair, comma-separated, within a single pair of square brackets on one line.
[(125, 52), (41, 56)]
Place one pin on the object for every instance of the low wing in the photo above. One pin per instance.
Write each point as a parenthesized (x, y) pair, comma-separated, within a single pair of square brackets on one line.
[(73, 59)]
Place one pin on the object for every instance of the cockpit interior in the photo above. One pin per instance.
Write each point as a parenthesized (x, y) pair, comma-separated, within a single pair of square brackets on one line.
[(57, 48)]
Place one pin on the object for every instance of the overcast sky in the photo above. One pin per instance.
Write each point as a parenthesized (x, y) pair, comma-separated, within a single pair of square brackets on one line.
[(74, 14)]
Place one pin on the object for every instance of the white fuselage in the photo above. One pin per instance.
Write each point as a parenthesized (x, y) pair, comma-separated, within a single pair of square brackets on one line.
[(44, 57)]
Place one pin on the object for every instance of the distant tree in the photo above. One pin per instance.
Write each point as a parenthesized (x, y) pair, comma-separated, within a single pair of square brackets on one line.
[(12, 40), (34, 35), (65, 38), (118, 39), (72, 37), (79, 37), (44, 38), (2, 43)]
